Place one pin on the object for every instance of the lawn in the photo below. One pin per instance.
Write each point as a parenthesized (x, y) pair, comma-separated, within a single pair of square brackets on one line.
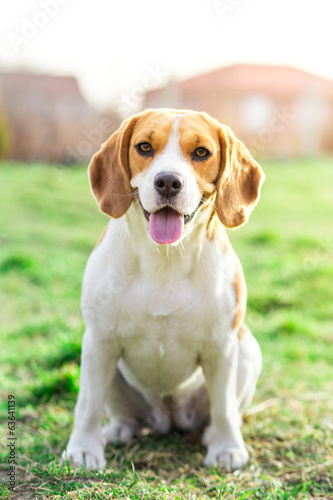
[(49, 223)]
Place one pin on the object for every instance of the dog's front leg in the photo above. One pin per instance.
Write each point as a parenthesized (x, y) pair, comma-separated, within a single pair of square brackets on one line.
[(98, 364), (223, 436)]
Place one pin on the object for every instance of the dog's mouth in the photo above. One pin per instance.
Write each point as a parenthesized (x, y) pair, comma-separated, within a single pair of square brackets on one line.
[(166, 225)]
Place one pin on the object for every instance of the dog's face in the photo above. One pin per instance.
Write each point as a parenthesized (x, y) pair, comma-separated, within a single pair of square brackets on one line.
[(176, 162)]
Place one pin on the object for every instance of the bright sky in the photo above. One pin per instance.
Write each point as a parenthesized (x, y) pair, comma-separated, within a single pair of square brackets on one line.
[(125, 46)]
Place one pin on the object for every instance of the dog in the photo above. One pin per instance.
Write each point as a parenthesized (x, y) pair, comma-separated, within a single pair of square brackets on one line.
[(163, 295)]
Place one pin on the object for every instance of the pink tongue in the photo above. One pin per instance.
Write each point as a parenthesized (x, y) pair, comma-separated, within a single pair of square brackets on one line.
[(166, 225)]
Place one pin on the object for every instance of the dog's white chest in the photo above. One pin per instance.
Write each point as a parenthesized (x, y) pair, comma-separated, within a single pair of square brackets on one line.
[(161, 316), (161, 336), (165, 332)]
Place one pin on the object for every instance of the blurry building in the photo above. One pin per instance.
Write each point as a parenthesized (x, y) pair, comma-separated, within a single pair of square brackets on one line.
[(277, 111), (49, 119)]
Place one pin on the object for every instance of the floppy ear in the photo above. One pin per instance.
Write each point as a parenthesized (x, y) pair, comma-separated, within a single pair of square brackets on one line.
[(239, 181), (109, 173)]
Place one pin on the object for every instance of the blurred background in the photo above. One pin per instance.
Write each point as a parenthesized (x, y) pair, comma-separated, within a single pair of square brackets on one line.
[(70, 71)]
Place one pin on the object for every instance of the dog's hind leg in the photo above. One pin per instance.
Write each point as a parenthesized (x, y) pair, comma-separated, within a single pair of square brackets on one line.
[(191, 413), (126, 408), (129, 410)]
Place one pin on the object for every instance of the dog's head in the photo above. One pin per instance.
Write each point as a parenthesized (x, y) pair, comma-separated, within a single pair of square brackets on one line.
[(175, 161)]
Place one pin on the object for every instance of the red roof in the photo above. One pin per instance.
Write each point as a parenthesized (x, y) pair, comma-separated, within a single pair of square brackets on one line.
[(243, 78)]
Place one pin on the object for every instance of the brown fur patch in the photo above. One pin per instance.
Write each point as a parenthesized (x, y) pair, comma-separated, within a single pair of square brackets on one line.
[(243, 332), (239, 182), (240, 292), (109, 174), (153, 127), (198, 131)]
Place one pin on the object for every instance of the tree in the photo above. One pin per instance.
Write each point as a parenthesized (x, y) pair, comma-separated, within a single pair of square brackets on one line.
[(4, 136)]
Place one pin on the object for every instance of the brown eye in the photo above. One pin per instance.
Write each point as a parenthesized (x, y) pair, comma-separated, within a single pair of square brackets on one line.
[(200, 154), (144, 148)]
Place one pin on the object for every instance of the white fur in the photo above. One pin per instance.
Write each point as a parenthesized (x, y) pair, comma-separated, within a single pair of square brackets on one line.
[(159, 324)]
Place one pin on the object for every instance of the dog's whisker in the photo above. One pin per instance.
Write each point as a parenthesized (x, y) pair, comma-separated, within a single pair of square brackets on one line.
[(129, 195)]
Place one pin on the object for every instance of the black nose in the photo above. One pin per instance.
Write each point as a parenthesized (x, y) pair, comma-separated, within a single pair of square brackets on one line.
[(168, 183)]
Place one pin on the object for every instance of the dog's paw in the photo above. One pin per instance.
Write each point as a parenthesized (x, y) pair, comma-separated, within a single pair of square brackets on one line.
[(184, 418), (230, 458), (224, 450), (161, 420), (87, 459), (85, 449), (118, 431)]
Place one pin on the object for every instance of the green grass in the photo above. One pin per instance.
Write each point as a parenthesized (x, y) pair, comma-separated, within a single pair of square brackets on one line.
[(49, 224)]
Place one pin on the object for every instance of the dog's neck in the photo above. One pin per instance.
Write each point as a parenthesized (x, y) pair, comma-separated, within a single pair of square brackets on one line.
[(168, 260)]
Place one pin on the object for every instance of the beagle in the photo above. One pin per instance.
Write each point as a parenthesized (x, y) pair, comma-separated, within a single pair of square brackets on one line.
[(163, 294)]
